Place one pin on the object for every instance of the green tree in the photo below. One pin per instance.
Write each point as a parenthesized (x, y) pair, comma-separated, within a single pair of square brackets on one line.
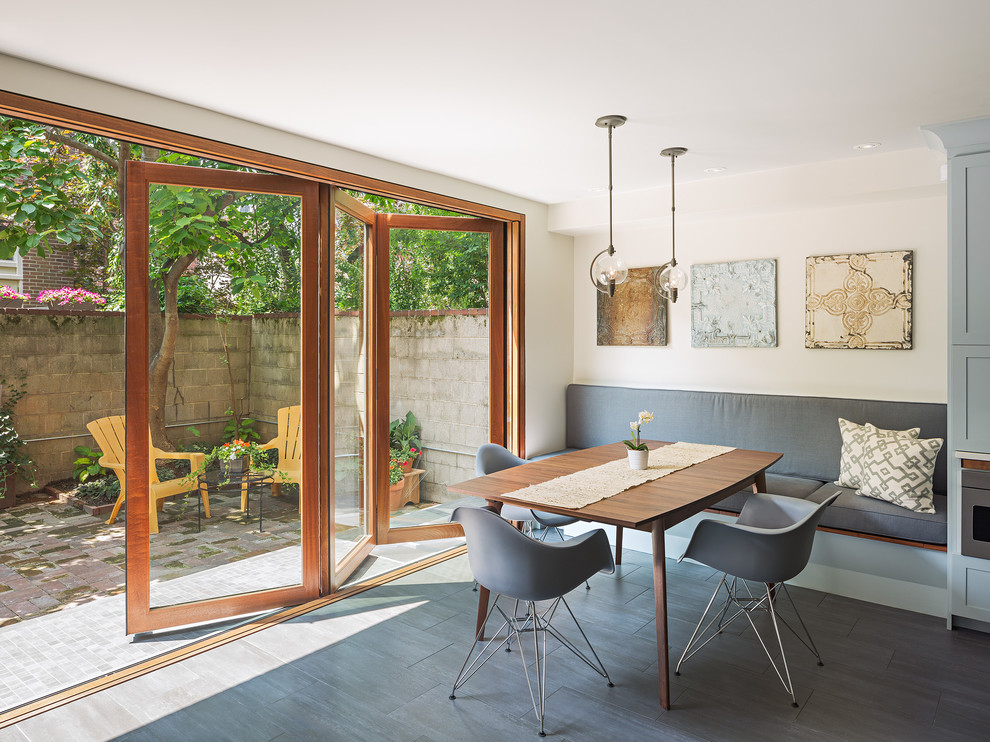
[(67, 186), (428, 269)]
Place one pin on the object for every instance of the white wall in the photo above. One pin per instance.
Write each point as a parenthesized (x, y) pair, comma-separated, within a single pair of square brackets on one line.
[(892, 201), (549, 326)]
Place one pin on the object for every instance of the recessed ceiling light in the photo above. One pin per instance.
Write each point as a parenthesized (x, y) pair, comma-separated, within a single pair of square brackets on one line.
[(714, 170), (867, 145)]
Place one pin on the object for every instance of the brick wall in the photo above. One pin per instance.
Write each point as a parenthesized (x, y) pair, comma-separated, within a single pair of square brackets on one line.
[(50, 272)]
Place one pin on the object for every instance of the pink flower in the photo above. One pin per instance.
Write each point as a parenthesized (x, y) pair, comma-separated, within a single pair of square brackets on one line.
[(67, 294), (8, 293)]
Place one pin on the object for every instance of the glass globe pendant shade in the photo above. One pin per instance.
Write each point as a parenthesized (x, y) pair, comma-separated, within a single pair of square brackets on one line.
[(671, 281), (676, 278), (608, 270)]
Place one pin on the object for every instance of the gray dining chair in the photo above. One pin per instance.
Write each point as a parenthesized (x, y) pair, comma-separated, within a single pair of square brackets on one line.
[(511, 565), (769, 543), (492, 458)]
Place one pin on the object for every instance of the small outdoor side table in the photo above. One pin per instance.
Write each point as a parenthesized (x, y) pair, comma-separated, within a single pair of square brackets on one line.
[(244, 482)]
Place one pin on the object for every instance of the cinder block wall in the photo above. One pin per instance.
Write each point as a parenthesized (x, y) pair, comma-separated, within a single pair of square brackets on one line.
[(74, 365), (200, 388), (276, 344), (75, 374), (350, 405), (439, 371)]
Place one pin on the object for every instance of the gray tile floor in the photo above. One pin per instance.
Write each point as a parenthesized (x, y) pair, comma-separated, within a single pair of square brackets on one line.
[(58, 650), (379, 666)]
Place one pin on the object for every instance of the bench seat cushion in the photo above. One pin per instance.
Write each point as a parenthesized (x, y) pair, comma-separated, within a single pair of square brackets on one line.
[(852, 512), (777, 484)]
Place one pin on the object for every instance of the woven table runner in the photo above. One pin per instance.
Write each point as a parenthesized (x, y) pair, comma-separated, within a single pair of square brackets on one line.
[(591, 485)]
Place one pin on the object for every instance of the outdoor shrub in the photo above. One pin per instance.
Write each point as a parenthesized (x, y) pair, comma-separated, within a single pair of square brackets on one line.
[(87, 465), (12, 453), (99, 490)]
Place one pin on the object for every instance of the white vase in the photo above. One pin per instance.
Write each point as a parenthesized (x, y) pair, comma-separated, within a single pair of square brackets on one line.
[(638, 459)]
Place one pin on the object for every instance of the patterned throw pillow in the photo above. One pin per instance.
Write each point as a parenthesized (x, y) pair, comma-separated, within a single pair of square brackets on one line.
[(856, 444), (899, 470)]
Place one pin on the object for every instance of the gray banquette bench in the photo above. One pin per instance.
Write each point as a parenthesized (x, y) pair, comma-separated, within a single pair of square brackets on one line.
[(804, 429)]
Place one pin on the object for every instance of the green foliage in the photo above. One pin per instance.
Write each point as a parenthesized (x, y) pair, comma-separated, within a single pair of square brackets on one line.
[(99, 490), (36, 198), (194, 296), (428, 269), (12, 451), (403, 433), (87, 465), (240, 429)]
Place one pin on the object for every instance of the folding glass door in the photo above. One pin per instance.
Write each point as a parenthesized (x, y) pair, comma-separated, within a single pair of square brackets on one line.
[(245, 535)]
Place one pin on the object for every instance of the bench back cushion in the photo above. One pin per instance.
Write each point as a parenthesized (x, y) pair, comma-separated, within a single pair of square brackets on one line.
[(804, 429)]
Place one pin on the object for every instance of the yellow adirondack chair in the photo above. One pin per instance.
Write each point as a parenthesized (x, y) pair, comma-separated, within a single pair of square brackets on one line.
[(288, 443), (109, 435)]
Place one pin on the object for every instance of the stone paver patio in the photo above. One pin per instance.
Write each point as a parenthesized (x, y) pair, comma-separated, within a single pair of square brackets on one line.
[(63, 570)]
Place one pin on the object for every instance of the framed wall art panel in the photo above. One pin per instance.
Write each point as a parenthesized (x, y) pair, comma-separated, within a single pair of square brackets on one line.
[(859, 300), (734, 305), (636, 315)]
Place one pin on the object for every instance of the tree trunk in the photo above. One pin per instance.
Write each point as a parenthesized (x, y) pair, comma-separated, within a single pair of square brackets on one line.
[(161, 360)]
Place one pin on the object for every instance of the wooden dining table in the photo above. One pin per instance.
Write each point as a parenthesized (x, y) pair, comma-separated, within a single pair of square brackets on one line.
[(654, 506)]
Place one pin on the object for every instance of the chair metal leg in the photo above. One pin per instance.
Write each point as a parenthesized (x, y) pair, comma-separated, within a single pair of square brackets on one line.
[(783, 658), (745, 605), (537, 623)]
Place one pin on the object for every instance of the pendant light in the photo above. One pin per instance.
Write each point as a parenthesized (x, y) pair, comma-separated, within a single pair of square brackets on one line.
[(607, 268), (670, 278)]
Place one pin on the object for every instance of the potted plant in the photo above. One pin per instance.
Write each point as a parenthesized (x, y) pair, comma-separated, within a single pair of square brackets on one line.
[(14, 461), (237, 457), (639, 454), (405, 456), (10, 299), (233, 457), (403, 435), (396, 483)]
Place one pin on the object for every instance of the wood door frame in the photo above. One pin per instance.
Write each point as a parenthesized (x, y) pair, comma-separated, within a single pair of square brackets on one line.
[(140, 615), (379, 373), (134, 131), (337, 574)]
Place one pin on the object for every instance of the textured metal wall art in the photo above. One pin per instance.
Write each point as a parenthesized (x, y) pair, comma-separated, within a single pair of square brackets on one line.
[(859, 301), (636, 315), (734, 305)]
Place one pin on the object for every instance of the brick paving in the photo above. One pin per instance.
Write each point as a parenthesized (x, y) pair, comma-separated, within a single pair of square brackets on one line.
[(54, 556), (62, 580)]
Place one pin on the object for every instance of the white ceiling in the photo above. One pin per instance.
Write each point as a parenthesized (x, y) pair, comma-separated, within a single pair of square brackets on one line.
[(505, 94)]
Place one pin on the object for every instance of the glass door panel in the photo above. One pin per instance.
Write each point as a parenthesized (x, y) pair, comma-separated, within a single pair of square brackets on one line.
[(351, 522), (233, 393), (439, 367), (222, 506)]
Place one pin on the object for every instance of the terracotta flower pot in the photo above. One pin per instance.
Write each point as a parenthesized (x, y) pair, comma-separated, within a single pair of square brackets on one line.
[(395, 495), (406, 466)]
